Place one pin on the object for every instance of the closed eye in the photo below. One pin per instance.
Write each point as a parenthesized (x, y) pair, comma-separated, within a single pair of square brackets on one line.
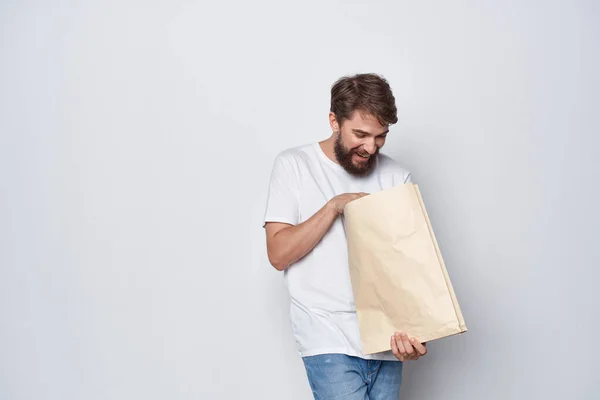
[(362, 134)]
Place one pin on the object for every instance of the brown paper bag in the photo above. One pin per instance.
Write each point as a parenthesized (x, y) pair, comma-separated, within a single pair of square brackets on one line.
[(399, 279)]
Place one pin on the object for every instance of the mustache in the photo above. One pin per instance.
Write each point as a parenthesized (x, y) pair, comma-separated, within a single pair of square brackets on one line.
[(366, 154)]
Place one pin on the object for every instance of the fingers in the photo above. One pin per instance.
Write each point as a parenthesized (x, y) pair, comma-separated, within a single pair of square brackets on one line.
[(410, 350), (403, 353), (356, 196), (419, 347), (396, 350), (405, 348), (338, 203), (347, 198)]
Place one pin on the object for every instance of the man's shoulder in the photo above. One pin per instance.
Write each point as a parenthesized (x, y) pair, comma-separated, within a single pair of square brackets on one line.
[(295, 154), (387, 165)]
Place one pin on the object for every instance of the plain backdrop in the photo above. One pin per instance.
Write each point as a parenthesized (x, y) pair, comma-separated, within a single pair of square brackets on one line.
[(136, 143)]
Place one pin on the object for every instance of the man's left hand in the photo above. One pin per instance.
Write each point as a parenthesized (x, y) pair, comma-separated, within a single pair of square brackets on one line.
[(407, 349)]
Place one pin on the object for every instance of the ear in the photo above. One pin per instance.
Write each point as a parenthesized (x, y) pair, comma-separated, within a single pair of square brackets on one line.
[(333, 122)]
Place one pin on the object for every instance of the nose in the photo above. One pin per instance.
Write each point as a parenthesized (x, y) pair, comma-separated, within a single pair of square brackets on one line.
[(370, 146)]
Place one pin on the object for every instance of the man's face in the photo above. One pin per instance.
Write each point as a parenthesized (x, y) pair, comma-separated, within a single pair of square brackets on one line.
[(358, 141)]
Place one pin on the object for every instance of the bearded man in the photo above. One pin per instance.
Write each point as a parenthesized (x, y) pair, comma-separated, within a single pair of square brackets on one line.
[(309, 187)]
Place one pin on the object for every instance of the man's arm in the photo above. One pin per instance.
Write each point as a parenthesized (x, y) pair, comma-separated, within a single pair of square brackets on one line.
[(287, 244)]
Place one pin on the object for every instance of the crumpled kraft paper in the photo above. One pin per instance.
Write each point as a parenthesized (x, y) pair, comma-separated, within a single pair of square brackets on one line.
[(398, 276)]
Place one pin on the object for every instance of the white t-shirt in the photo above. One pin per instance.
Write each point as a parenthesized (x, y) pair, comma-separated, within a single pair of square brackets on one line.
[(323, 313)]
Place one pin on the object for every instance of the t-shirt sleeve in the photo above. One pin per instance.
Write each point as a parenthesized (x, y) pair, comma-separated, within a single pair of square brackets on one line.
[(282, 198)]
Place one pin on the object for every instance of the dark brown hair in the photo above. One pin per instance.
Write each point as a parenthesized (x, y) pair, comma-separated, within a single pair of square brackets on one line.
[(365, 93)]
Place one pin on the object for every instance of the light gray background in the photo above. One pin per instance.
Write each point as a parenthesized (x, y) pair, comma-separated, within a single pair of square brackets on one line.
[(136, 143)]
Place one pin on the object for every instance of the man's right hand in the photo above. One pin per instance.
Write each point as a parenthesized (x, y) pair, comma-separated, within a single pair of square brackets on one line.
[(339, 202), (287, 243)]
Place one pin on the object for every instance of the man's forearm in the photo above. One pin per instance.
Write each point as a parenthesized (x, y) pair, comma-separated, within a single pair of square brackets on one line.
[(292, 243)]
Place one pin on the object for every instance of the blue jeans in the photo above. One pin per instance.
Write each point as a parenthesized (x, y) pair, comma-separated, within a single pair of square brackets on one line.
[(342, 377)]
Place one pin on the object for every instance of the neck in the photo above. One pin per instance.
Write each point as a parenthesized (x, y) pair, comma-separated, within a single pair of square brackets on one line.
[(327, 147)]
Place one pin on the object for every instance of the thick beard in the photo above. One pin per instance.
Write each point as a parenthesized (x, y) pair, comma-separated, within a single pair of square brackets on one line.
[(344, 157)]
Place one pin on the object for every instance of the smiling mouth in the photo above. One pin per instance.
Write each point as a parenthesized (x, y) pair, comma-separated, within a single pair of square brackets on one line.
[(365, 156)]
